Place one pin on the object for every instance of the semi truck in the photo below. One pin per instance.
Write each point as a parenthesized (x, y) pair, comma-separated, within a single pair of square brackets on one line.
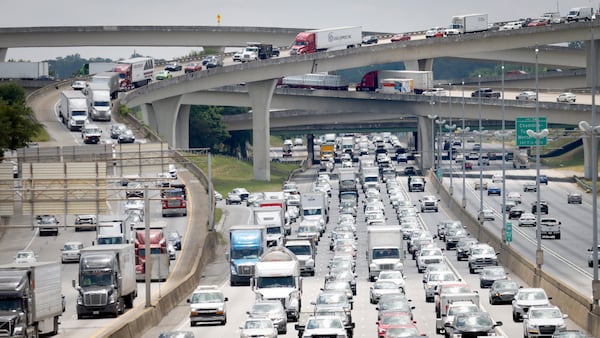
[(110, 80), (277, 199), (272, 219), (277, 277), (31, 299), (106, 282), (374, 80), (23, 70), (257, 51), (347, 183), (305, 250), (328, 39), (246, 244), (384, 249), (158, 253), (111, 232), (315, 207), (98, 101), (134, 73), (520, 160), (467, 23), (314, 81), (96, 67), (73, 109)]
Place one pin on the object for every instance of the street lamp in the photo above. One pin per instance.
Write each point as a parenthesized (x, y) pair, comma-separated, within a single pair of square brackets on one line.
[(503, 163), (462, 131), (539, 254), (480, 133), (439, 170), (432, 118), (451, 129)]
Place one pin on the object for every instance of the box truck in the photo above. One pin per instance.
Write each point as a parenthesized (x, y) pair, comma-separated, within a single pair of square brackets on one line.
[(277, 277), (134, 72), (277, 199), (314, 81), (467, 23), (110, 80), (246, 244), (98, 100), (384, 249), (23, 70), (107, 282), (73, 109), (373, 80), (31, 299), (328, 39), (272, 219), (111, 232)]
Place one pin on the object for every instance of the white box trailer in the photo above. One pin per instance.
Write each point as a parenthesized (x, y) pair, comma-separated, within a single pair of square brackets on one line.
[(23, 70), (35, 288), (396, 86), (468, 23), (273, 220), (110, 80), (73, 109), (384, 249), (338, 38)]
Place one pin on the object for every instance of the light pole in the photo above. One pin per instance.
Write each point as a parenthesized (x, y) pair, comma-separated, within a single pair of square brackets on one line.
[(538, 135), (432, 117), (462, 132), (451, 129), (503, 234), (440, 177), (480, 133)]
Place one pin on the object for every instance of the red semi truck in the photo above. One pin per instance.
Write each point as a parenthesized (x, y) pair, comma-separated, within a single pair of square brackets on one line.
[(328, 39), (158, 253), (374, 80), (134, 72)]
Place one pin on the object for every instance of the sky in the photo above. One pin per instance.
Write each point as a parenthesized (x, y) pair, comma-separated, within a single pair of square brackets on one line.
[(375, 15)]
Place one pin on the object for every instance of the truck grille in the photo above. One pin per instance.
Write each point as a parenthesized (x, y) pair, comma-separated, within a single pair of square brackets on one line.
[(95, 298), (432, 261), (246, 270), (386, 266), (7, 328), (485, 261)]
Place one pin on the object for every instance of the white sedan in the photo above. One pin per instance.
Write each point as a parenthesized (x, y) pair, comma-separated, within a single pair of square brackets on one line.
[(526, 96), (566, 97)]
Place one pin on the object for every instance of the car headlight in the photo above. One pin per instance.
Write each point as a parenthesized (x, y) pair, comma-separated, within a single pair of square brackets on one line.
[(372, 266), (112, 298), (310, 263)]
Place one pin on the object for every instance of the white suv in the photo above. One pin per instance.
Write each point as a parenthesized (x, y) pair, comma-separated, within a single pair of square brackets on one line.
[(527, 298), (207, 304)]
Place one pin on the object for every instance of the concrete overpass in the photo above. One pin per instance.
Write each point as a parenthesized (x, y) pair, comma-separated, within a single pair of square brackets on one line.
[(172, 98)]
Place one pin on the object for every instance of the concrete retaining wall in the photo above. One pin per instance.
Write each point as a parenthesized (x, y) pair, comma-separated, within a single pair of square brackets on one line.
[(578, 306)]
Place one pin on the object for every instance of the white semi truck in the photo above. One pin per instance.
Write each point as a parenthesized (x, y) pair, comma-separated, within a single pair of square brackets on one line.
[(31, 299), (73, 109), (23, 70), (107, 282), (328, 39), (277, 277), (272, 219), (98, 100), (384, 249), (315, 208)]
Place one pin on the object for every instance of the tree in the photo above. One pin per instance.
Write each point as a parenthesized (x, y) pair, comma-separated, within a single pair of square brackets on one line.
[(17, 123), (206, 128)]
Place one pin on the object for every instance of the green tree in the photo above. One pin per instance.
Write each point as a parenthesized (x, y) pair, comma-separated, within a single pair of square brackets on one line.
[(17, 123), (206, 128)]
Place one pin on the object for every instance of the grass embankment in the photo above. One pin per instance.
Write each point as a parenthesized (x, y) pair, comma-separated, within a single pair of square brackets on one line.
[(228, 173)]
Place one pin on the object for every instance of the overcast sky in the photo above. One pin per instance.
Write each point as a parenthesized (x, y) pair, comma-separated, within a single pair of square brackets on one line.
[(373, 15)]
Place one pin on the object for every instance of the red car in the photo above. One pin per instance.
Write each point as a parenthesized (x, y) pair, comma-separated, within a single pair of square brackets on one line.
[(192, 67), (468, 166), (390, 319), (400, 37), (402, 331), (537, 22)]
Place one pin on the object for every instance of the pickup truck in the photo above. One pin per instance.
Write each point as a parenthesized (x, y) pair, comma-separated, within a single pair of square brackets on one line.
[(486, 92)]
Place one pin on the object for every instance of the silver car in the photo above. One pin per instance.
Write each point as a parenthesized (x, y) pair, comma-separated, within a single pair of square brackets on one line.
[(71, 251), (543, 321), (258, 327), (272, 309), (527, 96)]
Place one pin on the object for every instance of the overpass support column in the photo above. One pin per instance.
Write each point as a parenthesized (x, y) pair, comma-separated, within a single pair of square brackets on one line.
[(587, 157), (588, 61), (3, 54), (421, 64), (164, 116), (261, 93), (424, 142), (310, 148)]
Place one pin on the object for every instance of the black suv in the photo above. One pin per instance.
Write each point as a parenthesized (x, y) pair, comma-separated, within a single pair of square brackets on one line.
[(543, 207), (486, 92)]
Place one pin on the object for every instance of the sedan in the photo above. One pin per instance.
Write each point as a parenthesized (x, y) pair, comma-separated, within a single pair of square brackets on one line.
[(566, 97), (380, 288), (486, 215), (527, 219), (400, 37), (192, 67), (494, 190), (173, 66), (127, 136), (503, 291), (116, 129), (164, 75), (490, 274), (25, 257), (369, 39), (527, 96), (537, 23), (258, 327)]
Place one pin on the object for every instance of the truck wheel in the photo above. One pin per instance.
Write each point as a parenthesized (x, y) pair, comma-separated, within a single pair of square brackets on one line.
[(129, 301), (471, 270), (557, 236), (55, 327)]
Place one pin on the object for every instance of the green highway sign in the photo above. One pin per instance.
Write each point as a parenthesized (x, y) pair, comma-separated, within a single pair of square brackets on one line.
[(508, 232), (522, 124)]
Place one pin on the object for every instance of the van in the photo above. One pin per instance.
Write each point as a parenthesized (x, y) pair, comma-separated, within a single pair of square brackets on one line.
[(580, 13), (552, 17)]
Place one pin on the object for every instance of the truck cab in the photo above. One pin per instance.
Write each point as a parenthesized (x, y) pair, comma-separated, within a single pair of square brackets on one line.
[(250, 54), (246, 244), (305, 250)]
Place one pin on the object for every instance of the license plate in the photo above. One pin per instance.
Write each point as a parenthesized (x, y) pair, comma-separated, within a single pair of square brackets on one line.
[(96, 312)]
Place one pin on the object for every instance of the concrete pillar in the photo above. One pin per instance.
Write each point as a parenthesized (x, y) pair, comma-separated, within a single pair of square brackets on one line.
[(261, 93), (421, 64), (588, 61), (149, 116), (424, 142), (182, 130), (3, 52), (310, 148), (587, 156), (165, 114)]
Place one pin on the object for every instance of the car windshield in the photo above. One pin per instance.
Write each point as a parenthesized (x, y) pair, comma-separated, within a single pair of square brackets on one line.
[(532, 295), (265, 308), (207, 297), (396, 320), (258, 324), (493, 272), (299, 250), (480, 320), (386, 253), (331, 298), (71, 247), (276, 282), (390, 275), (95, 278), (402, 332), (385, 285), (323, 323), (245, 254), (505, 285), (544, 313), (454, 310)]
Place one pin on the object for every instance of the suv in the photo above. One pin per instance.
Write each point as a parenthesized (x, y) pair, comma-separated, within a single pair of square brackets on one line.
[(85, 219), (323, 326), (573, 198), (543, 207), (91, 133), (207, 304), (429, 203), (272, 309), (550, 226), (213, 61), (486, 92), (525, 299), (48, 224), (416, 184), (543, 321), (480, 256)]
